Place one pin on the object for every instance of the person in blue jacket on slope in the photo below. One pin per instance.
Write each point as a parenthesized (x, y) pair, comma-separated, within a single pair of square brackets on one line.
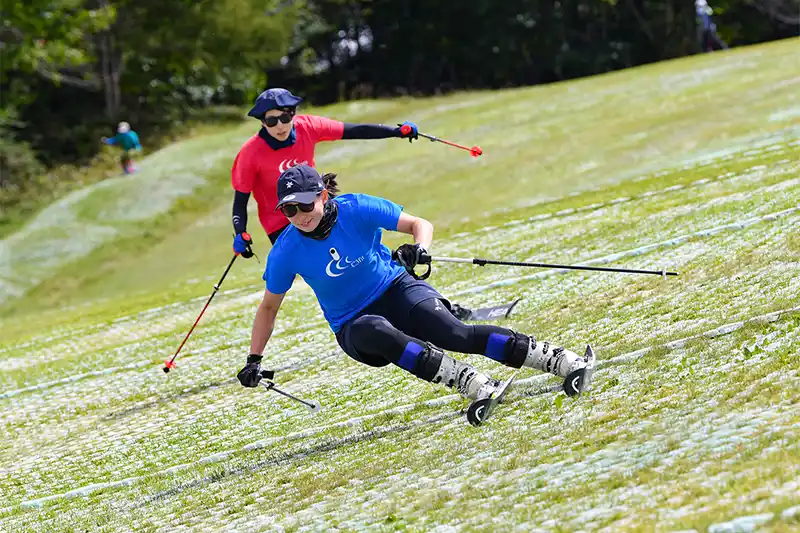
[(128, 141)]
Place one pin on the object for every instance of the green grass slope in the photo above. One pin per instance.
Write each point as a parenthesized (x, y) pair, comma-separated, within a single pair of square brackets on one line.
[(692, 420)]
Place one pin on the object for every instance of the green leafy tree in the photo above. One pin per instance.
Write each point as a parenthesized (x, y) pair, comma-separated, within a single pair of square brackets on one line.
[(72, 68)]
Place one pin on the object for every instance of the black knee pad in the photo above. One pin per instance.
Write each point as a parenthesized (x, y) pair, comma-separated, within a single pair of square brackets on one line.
[(518, 350), (429, 361)]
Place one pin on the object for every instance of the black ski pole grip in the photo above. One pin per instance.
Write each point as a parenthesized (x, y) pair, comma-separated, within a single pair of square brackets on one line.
[(267, 374)]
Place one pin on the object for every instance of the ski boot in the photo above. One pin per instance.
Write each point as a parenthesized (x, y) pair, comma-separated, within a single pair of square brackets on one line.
[(561, 362), (482, 407), (484, 391), (462, 376)]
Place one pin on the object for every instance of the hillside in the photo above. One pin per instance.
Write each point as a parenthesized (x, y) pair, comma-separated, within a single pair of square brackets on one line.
[(693, 165)]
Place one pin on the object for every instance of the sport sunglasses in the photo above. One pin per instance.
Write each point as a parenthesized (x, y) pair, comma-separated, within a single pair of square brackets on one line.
[(290, 210), (285, 118)]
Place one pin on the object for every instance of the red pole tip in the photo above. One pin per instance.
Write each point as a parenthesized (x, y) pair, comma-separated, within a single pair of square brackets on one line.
[(476, 151), (169, 364)]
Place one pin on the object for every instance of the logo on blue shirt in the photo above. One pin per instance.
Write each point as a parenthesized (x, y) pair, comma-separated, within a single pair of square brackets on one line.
[(337, 265)]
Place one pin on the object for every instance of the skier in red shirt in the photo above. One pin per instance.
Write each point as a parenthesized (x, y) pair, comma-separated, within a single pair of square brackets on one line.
[(285, 140)]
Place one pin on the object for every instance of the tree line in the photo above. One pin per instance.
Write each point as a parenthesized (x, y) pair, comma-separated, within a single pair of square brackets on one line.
[(72, 68)]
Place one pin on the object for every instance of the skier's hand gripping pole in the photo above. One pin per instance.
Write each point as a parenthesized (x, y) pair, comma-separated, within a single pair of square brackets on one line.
[(170, 364), (243, 245), (409, 256), (474, 151), (483, 262)]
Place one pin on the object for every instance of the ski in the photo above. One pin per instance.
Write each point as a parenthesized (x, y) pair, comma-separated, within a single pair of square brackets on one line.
[(579, 381), (484, 313), (480, 410)]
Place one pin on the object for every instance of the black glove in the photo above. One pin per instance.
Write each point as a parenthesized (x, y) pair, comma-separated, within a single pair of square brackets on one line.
[(410, 255), (250, 375)]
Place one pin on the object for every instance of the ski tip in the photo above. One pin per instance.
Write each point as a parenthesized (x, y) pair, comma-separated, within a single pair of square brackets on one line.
[(589, 355), (512, 306), (509, 382)]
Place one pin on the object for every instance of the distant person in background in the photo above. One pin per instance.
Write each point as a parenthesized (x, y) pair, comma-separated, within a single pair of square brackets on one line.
[(706, 29), (128, 141)]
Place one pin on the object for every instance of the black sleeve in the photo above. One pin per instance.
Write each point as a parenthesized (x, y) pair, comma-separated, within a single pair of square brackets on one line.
[(240, 200), (369, 131)]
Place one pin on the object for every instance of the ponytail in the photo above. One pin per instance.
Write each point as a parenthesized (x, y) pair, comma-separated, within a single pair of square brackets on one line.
[(329, 181)]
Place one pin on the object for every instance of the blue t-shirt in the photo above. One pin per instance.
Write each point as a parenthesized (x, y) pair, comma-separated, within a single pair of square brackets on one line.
[(347, 271), (127, 141)]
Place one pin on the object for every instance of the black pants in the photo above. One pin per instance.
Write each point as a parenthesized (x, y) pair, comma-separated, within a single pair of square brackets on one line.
[(411, 313)]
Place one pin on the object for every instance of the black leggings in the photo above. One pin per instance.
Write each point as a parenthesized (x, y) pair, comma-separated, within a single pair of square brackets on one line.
[(375, 340)]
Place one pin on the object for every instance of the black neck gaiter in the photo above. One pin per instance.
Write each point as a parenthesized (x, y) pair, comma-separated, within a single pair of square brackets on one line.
[(326, 224)]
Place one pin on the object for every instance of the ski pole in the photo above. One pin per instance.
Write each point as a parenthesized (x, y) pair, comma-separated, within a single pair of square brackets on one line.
[(171, 363), (312, 405), (483, 262), (475, 151)]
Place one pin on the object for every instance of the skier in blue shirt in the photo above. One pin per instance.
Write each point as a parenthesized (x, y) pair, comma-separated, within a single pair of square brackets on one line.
[(380, 312), (128, 141)]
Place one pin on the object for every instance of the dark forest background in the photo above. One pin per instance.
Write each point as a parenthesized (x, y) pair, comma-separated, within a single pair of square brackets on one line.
[(71, 69)]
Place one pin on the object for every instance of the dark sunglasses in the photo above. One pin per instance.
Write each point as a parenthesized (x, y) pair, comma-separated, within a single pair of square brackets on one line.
[(290, 210), (285, 118)]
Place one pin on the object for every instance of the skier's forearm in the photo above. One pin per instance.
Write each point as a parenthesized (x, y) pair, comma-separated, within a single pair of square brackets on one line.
[(419, 228), (262, 328), (422, 230), (369, 131), (240, 200)]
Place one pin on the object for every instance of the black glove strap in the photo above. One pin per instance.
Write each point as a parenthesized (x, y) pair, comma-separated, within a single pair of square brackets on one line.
[(254, 358), (425, 275)]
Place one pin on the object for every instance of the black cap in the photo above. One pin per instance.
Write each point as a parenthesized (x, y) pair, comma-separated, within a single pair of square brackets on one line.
[(276, 98), (300, 185)]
